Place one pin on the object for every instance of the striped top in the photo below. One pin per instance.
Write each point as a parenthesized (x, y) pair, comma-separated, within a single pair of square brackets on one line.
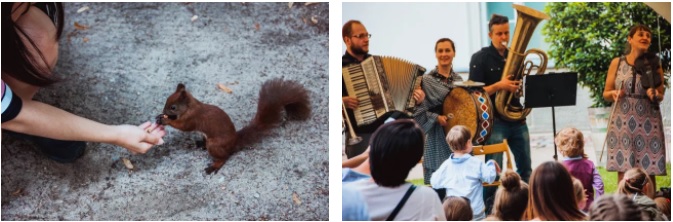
[(11, 104)]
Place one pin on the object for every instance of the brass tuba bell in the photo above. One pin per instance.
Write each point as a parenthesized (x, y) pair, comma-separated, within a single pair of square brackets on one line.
[(515, 68)]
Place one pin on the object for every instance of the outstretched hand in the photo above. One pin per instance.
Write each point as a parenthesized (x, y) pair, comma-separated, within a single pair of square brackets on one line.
[(139, 139)]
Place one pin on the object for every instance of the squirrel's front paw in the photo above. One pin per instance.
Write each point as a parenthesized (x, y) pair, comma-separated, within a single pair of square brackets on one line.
[(211, 169)]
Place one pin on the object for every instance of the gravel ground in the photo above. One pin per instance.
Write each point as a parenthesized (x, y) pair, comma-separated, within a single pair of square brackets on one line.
[(120, 68)]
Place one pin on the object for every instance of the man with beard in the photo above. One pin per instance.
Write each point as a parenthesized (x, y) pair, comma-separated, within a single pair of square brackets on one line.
[(356, 38)]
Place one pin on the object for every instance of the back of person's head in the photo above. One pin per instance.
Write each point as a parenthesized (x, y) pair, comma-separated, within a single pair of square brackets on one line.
[(570, 142), (497, 20), (21, 58), (615, 208), (457, 208), (664, 205), (458, 137), (347, 29), (395, 148), (511, 198), (635, 181), (551, 194)]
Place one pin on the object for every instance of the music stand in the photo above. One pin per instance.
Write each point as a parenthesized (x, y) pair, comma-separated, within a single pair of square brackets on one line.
[(550, 90)]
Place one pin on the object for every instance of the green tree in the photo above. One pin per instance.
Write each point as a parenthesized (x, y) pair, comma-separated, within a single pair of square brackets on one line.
[(585, 37)]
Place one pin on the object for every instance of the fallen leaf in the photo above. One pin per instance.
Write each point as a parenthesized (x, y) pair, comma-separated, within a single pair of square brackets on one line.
[(309, 3), (85, 39), (257, 26), (82, 9), (224, 88), (289, 4), (296, 199), (17, 192), (80, 26), (127, 163), (194, 18), (314, 20)]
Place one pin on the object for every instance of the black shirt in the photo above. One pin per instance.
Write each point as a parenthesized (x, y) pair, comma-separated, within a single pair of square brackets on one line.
[(487, 66)]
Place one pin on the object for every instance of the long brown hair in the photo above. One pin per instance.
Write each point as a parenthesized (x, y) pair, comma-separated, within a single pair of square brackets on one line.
[(17, 60), (551, 194), (635, 181)]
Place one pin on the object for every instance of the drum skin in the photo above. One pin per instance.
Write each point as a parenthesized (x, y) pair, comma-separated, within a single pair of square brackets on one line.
[(470, 107)]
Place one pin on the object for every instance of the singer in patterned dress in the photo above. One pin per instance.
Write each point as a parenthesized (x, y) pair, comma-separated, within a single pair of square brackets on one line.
[(635, 136)]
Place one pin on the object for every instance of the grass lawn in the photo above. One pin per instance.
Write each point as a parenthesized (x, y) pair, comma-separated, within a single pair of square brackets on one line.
[(609, 179)]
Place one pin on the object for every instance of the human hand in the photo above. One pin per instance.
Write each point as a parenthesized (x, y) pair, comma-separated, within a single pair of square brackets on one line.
[(419, 96), (509, 85), (616, 94), (350, 102), (653, 94), (139, 139), (497, 167), (442, 120)]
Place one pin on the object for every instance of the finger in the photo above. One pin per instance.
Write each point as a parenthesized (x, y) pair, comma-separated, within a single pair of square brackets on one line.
[(152, 139), (145, 125)]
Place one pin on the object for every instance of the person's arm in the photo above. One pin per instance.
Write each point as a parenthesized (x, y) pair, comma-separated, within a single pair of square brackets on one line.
[(422, 115), (40, 119), (356, 160), (657, 95), (597, 183), (610, 94), (489, 171)]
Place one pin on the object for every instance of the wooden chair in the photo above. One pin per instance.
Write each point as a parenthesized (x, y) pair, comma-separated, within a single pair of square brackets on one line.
[(491, 149)]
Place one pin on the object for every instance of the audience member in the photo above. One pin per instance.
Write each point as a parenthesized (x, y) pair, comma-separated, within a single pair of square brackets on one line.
[(511, 198), (580, 194), (571, 144), (462, 174), (550, 194), (395, 148), (635, 185), (615, 208), (457, 208)]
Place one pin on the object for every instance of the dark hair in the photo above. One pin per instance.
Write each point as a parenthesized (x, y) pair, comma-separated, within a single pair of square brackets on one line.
[(497, 20), (632, 32), (511, 199), (453, 46), (17, 60), (457, 137), (347, 29), (664, 205), (551, 194), (395, 148), (615, 208), (457, 209)]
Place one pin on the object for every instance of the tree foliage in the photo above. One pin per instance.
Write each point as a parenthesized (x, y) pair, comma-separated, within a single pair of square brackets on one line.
[(585, 37)]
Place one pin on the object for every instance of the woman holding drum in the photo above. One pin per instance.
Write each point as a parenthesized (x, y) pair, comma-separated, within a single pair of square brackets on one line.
[(436, 84)]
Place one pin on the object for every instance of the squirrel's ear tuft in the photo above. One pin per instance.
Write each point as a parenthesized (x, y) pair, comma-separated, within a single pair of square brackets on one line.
[(180, 87)]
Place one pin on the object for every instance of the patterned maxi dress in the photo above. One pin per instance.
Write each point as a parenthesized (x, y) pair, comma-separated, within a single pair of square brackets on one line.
[(436, 87), (635, 133)]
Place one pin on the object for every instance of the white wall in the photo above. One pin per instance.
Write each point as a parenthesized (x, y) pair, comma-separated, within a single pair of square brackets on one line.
[(410, 30)]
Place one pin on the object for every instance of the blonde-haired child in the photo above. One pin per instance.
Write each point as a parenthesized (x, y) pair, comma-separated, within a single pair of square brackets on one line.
[(570, 142), (462, 174)]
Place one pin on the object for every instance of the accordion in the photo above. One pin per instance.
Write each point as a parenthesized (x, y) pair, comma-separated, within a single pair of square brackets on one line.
[(382, 84)]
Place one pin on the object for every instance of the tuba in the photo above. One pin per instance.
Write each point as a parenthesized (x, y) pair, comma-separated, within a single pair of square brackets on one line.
[(515, 67)]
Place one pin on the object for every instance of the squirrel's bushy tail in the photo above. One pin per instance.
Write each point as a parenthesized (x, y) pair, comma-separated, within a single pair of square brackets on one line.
[(275, 95)]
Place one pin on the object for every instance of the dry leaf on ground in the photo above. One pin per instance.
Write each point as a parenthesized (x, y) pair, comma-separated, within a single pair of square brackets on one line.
[(82, 9), (85, 39), (257, 26), (296, 199), (17, 192), (224, 88), (194, 18), (127, 163), (314, 20), (310, 3), (80, 26), (289, 4)]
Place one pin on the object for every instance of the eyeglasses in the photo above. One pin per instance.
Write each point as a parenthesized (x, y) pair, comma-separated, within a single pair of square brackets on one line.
[(363, 35)]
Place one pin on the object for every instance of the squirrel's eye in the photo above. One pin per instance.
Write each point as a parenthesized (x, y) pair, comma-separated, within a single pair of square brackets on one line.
[(173, 107)]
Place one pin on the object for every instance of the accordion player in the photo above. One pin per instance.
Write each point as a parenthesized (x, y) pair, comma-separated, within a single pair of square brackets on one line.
[(384, 88)]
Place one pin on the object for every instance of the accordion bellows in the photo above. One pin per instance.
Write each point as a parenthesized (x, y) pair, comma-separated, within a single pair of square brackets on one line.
[(382, 84)]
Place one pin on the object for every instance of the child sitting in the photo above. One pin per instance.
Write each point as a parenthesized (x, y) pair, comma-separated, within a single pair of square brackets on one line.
[(615, 208), (457, 209), (635, 185), (462, 174), (511, 199), (571, 144), (580, 194)]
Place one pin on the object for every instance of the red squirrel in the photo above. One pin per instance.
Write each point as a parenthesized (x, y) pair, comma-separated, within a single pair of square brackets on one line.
[(182, 111)]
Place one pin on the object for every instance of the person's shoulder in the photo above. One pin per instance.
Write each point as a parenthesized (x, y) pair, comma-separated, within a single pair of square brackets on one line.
[(482, 52)]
